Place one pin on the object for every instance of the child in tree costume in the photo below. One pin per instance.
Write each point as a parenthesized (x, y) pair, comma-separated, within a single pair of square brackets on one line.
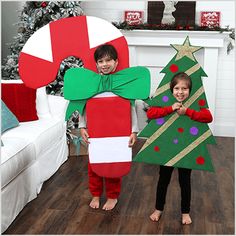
[(178, 132)]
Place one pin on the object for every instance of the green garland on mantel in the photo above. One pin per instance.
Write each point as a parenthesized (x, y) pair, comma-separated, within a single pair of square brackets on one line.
[(145, 26)]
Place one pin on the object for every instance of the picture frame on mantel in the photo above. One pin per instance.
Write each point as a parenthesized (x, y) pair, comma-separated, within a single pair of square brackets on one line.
[(171, 12), (210, 18), (133, 17)]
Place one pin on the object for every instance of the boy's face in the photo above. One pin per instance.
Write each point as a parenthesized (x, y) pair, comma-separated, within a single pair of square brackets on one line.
[(181, 91), (106, 65)]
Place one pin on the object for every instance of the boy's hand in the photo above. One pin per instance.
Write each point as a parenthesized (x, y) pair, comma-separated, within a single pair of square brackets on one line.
[(176, 106), (182, 110), (84, 135), (132, 139)]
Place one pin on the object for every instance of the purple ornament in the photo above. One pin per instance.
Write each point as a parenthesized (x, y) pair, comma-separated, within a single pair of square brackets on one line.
[(160, 121), (165, 98), (175, 141), (193, 130)]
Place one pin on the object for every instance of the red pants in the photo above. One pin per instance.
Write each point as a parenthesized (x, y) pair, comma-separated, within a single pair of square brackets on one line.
[(113, 185)]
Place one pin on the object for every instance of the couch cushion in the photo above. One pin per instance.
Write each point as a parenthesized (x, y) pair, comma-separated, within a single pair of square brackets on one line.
[(8, 119), (20, 99), (43, 133), (16, 155)]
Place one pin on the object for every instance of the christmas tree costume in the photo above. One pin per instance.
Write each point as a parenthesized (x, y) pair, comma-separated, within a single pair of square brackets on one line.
[(175, 140)]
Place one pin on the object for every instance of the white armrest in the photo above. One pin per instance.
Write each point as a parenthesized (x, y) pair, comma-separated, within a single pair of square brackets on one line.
[(57, 106), (42, 105)]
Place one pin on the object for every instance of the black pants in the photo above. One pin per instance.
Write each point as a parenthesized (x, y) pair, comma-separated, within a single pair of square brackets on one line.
[(185, 186)]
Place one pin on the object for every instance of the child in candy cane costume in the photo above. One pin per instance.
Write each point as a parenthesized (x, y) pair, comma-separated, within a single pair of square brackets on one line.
[(39, 64), (106, 61)]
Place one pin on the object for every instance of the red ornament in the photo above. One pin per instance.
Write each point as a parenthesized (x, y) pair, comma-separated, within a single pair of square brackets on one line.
[(180, 130), (187, 27), (174, 68), (43, 4), (157, 149), (201, 102), (200, 160), (179, 27)]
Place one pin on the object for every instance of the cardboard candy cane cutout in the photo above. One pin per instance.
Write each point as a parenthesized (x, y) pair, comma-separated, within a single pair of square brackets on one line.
[(39, 62), (40, 58)]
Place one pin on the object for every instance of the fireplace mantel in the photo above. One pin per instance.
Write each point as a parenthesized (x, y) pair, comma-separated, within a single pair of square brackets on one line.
[(167, 37), (151, 48)]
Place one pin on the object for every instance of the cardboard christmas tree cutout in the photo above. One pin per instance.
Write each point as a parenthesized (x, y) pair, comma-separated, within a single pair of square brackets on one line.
[(176, 140)]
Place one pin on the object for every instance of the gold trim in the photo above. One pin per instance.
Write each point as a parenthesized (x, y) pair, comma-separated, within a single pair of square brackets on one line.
[(189, 148), (192, 69), (194, 97), (159, 131), (162, 89)]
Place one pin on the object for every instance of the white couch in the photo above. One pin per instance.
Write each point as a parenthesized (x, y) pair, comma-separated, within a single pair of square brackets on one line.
[(31, 154)]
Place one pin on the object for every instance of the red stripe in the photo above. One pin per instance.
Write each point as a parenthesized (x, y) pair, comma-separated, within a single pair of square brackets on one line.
[(108, 117), (111, 170), (36, 72)]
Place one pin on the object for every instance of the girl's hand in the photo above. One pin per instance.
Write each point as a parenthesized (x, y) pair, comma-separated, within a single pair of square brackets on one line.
[(132, 139), (176, 106), (182, 110), (84, 135)]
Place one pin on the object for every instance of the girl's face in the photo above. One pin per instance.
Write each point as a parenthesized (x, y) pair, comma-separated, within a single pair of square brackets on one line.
[(106, 65), (181, 91)]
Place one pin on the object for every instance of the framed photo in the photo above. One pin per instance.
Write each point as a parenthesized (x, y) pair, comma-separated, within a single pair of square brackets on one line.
[(172, 12), (210, 18), (134, 17)]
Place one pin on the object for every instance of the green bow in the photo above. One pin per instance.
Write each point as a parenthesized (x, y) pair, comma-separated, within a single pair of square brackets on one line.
[(81, 84)]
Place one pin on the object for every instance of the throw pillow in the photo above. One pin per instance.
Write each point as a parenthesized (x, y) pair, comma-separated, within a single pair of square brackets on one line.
[(21, 100), (8, 119)]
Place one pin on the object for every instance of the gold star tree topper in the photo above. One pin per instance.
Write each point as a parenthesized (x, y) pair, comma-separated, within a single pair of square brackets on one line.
[(185, 50)]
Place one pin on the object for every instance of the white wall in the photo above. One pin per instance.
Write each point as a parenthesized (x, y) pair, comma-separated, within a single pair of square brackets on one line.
[(111, 10), (225, 93), (114, 10)]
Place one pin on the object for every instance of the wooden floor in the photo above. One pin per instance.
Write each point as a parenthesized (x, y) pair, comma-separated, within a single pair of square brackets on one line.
[(62, 206)]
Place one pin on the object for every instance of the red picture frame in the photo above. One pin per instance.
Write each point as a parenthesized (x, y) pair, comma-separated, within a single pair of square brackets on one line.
[(210, 19), (134, 17)]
